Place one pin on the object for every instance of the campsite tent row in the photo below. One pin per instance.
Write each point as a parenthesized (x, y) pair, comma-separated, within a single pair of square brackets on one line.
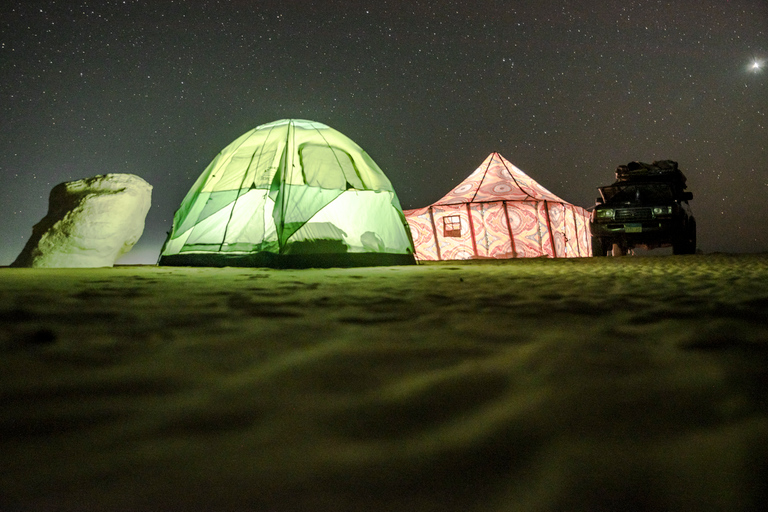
[(297, 193)]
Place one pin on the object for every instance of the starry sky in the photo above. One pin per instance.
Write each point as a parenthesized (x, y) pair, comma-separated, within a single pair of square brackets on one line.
[(566, 90)]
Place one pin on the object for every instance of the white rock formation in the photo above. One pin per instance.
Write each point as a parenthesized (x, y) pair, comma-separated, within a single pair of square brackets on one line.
[(90, 223)]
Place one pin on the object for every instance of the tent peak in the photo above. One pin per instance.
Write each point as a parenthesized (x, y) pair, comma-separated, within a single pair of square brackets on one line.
[(497, 179), (303, 123)]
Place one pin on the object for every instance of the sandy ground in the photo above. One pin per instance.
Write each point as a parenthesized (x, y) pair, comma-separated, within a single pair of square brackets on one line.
[(636, 383)]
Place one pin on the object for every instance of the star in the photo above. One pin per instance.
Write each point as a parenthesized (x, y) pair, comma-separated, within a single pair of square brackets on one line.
[(533, 83)]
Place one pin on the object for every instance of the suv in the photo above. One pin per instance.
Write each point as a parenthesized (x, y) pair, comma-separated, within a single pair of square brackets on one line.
[(645, 207)]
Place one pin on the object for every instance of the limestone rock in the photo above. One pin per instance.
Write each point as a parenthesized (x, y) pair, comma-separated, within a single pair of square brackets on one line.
[(90, 223)]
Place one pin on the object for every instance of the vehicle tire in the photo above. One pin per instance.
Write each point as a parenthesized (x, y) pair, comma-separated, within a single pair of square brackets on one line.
[(684, 246), (599, 247), (692, 237), (686, 243)]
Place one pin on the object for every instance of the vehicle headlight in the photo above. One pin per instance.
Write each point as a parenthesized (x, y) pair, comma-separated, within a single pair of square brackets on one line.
[(604, 214), (662, 210)]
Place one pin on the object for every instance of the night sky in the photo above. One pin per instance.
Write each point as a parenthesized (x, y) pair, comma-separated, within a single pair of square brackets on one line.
[(566, 90)]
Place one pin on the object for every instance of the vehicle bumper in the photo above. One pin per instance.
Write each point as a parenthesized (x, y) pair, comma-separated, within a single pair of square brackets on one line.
[(655, 231)]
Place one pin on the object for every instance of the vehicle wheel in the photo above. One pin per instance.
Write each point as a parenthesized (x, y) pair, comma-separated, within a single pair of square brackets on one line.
[(686, 244), (692, 237), (599, 247)]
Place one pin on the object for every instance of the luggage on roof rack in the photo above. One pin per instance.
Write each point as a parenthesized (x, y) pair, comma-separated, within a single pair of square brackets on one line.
[(660, 170)]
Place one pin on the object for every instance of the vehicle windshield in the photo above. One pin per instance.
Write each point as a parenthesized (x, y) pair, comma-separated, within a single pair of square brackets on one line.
[(637, 193)]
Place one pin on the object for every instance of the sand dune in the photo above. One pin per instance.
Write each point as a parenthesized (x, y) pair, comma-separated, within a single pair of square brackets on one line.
[(635, 383)]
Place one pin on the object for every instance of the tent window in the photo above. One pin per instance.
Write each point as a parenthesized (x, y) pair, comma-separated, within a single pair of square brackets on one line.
[(328, 167), (452, 226)]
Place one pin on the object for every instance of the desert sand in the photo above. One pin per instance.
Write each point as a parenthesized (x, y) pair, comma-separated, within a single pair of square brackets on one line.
[(633, 383)]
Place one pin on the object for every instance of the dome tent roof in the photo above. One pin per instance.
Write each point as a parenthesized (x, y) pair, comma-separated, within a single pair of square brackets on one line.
[(290, 193)]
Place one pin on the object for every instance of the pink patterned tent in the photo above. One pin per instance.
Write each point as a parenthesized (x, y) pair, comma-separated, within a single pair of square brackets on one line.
[(499, 212)]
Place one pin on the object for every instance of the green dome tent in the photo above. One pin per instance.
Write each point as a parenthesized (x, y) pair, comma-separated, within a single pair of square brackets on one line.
[(290, 193)]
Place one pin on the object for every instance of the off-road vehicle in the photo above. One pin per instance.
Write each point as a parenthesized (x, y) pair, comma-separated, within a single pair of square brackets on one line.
[(647, 207)]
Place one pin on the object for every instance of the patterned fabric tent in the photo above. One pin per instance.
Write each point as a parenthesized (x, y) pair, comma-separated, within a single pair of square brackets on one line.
[(499, 212)]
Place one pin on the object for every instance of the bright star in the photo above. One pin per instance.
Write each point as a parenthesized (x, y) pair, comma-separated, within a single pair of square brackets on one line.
[(755, 65)]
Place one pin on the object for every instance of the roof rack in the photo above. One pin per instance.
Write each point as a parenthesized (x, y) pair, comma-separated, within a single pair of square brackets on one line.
[(660, 170)]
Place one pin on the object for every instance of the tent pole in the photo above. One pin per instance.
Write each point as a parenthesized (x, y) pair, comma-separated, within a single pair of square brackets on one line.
[(584, 239), (512, 177), (509, 228), (576, 230), (485, 172), (549, 229), (234, 203), (586, 234), (472, 229), (285, 167), (434, 232)]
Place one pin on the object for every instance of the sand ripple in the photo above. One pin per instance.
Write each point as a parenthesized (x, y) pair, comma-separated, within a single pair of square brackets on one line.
[(580, 385)]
